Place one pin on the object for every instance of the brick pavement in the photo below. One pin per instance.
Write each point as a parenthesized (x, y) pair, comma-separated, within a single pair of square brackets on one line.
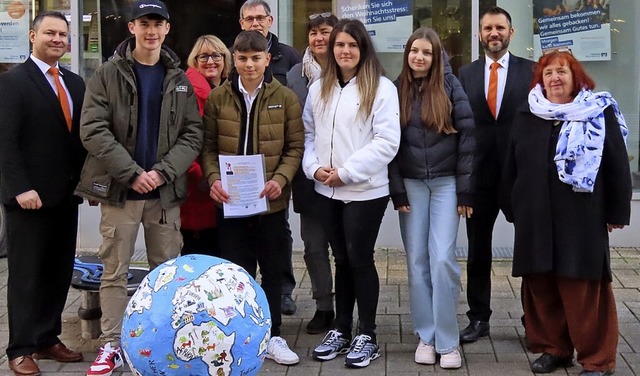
[(500, 353)]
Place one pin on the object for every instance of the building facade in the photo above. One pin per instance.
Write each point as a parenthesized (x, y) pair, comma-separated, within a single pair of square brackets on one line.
[(601, 33)]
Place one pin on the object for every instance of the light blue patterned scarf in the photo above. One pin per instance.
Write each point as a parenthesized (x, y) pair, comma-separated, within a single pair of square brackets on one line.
[(581, 140)]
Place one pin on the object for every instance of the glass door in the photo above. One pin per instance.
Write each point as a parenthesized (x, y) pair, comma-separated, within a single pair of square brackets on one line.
[(90, 39)]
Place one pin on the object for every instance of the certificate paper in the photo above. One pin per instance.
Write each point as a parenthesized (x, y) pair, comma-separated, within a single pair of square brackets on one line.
[(242, 177)]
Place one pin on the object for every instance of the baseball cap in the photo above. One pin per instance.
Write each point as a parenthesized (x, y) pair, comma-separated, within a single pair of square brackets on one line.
[(146, 7)]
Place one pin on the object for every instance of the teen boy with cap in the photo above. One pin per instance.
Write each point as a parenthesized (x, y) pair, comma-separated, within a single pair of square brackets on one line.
[(141, 127)]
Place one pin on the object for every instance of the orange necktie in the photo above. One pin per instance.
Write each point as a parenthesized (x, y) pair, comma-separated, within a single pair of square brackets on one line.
[(492, 94), (62, 96)]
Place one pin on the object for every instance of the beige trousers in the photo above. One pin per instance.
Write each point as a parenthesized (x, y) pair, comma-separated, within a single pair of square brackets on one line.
[(119, 228)]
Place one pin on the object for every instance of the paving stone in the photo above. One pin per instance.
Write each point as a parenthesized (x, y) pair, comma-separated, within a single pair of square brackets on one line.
[(500, 353)]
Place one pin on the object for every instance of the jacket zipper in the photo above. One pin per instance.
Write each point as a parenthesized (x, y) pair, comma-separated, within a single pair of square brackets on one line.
[(333, 127)]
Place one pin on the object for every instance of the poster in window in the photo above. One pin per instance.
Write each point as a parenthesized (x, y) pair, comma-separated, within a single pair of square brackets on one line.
[(14, 31), (581, 26), (389, 22)]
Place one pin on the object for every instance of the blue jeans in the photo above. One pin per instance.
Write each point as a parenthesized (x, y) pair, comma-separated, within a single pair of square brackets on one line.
[(429, 234)]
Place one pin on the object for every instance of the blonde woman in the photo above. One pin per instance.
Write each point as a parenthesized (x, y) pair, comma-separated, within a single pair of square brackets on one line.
[(209, 66)]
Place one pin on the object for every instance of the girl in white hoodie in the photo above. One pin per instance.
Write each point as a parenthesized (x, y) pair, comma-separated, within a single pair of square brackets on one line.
[(352, 132)]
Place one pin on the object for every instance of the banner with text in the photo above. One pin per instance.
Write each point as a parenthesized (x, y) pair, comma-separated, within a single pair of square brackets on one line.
[(389, 22), (584, 30), (14, 31)]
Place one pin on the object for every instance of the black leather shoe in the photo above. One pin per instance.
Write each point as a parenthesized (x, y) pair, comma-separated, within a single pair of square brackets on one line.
[(597, 373), (548, 363), (287, 305), (321, 322), (474, 331)]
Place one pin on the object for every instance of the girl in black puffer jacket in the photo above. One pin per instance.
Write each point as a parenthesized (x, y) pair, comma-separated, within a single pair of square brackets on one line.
[(430, 185)]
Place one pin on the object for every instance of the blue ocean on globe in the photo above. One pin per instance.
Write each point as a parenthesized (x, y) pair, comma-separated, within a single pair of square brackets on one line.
[(196, 315)]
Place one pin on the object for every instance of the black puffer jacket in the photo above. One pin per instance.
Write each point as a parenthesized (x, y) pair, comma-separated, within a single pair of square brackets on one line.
[(427, 154), (283, 58)]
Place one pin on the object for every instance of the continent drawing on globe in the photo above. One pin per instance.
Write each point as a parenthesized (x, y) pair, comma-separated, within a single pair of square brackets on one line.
[(144, 300), (207, 342), (197, 315), (231, 291), (166, 275)]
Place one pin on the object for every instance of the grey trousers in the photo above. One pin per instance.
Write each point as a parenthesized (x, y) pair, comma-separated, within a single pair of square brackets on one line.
[(316, 258)]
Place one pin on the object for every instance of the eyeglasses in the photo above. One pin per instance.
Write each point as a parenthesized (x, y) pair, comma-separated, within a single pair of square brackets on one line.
[(561, 49), (323, 15), (203, 58), (260, 19)]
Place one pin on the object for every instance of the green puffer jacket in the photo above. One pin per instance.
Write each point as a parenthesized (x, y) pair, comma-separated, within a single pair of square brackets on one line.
[(109, 123), (276, 132)]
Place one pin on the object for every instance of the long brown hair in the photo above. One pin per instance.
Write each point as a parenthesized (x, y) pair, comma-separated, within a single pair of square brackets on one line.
[(369, 68), (436, 105)]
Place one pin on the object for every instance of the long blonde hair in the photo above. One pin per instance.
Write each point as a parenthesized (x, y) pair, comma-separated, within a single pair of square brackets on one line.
[(436, 105), (368, 70)]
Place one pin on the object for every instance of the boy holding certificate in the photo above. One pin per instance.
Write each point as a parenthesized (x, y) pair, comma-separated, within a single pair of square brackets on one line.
[(252, 113)]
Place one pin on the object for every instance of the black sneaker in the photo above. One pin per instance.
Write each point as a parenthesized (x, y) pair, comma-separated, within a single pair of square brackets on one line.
[(363, 350), (333, 343), (321, 322)]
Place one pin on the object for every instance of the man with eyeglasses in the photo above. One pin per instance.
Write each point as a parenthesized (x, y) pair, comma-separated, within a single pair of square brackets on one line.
[(256, 15)]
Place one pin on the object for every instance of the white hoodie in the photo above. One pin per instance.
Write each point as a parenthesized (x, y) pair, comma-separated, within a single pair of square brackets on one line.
[(360, 149)]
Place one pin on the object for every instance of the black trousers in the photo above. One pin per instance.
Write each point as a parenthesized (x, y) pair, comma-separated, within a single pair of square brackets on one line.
[(41, 249), (260, 240), (352, 229), (204, 242), (479, 236), (288, 279)]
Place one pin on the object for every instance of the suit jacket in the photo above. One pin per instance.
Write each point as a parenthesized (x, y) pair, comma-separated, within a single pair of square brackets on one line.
[(37, 151), (492, 134)]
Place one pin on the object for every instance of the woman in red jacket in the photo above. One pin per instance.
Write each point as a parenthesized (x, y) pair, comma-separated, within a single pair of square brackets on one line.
[(209, 65)]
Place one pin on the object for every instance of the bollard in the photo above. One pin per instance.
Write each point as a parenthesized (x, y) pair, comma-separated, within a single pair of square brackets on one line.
[(90, 314)]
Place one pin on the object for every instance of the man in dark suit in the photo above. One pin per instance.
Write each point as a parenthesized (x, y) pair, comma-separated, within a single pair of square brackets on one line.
[(514, 75), (40, 161)]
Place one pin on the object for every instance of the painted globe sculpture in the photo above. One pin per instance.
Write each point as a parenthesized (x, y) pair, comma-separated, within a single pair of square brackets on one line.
[(196, 315)]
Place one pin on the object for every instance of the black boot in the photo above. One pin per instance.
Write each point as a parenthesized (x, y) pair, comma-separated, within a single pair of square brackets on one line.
[(548, 363), (474, 331), (287, 305), (321, 322)]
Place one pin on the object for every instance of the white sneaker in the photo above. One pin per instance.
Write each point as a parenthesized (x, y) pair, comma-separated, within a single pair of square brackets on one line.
[(425, 354), (451, 360), (279, 351), (108, 359)]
